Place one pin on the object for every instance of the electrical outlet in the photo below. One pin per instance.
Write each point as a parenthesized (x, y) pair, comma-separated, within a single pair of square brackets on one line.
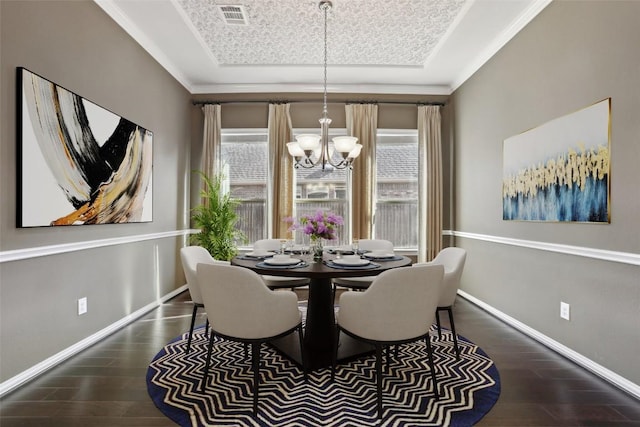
[(564, 310), (82, 306)]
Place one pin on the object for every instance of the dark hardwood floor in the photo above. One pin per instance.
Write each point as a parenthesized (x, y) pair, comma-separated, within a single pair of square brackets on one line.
[(105, 385)]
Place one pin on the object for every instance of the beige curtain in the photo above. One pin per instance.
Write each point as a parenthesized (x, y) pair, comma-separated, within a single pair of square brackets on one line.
[(429, 182), (362, 122), (211, 142), (281, 172)]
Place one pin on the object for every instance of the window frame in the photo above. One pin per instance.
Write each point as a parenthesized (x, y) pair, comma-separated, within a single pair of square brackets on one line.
[(249, 132), (345, 235), (404, 133)]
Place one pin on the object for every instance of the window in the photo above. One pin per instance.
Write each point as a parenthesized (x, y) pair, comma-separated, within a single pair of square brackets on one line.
[(396, 216), (322, 189), (245, 159)]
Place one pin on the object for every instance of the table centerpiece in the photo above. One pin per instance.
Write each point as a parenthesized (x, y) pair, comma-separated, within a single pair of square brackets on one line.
[(321, 225)]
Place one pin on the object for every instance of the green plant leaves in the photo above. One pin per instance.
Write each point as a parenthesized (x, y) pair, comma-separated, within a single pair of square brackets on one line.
[(216, 218)]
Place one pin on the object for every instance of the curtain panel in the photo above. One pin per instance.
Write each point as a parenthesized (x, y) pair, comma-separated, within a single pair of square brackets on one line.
[(211, 143), (362, 122), (429, 182), (281, 170)]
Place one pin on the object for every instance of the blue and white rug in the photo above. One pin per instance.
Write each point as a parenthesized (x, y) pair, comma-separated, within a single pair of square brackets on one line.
[(468, 388)]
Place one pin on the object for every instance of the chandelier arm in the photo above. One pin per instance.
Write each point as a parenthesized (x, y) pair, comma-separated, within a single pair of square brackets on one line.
[(324, 157)]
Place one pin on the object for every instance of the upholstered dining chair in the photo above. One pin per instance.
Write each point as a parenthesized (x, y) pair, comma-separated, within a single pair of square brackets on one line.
[(452, 259), (243, 309), (398, 307), (191, 256), (361, 283), (278, 282)]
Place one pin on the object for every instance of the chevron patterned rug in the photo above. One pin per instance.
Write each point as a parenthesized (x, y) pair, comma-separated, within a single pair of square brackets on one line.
[(468, 387)]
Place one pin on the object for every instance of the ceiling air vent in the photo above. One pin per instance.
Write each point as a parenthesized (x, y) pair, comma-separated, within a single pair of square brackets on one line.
[(233, 14)]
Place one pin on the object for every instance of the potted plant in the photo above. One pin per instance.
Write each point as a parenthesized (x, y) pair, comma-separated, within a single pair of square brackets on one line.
[(216, 218)]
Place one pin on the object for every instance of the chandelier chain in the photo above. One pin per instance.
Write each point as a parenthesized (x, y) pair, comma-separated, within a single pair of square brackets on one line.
[(318, 146), (325, 6)]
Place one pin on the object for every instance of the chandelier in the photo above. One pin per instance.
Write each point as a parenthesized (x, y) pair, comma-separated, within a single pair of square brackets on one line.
[(311, 150)]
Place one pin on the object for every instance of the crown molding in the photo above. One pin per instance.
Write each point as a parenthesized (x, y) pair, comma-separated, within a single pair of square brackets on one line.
[(504, 38), (313, 88), (114, 11)]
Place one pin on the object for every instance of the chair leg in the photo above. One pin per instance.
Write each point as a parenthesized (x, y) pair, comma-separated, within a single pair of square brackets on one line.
[(302, 358), (334, 353), (388, 357), (438, 323), (255, 363), (453, 331), (193, 322), (206, 328), (207, 363), (432, 367), (379, 378)]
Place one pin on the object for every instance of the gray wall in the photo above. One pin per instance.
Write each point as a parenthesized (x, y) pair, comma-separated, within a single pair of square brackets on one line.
[(76, 45), (572, 55)]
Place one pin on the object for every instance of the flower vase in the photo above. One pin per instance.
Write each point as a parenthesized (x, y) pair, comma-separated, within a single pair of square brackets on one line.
[(317, 250)]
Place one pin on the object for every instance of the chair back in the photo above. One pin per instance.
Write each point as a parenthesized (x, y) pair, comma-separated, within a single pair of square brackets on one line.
[(272, 245), (375, 245), (239, 304), (452, 259), (399, 305), (191, 256)]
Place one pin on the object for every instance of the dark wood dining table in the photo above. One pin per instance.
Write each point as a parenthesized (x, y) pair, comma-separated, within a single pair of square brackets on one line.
[(320, 319)]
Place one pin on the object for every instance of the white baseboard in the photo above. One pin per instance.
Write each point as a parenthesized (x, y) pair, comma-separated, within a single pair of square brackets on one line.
[(40, 368), (588, 364)]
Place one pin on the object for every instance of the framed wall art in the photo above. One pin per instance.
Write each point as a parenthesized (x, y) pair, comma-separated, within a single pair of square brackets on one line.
[(78, 163), (560, 171)]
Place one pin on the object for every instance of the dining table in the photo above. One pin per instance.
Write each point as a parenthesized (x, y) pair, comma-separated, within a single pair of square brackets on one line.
[(320, 325)]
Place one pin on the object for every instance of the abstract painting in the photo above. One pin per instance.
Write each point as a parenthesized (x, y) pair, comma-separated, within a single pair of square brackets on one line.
[(560, 171), (78, 163)]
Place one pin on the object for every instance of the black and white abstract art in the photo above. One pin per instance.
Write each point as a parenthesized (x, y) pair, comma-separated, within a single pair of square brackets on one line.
[(78, 163)]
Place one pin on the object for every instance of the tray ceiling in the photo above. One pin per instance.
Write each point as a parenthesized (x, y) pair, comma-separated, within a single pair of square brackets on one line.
[(374, 46)]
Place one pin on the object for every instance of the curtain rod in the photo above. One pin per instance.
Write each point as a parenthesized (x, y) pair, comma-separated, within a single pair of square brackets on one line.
[(314, 102)]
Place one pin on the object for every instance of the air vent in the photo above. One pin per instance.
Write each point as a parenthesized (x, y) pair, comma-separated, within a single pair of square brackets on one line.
[(233, 14)]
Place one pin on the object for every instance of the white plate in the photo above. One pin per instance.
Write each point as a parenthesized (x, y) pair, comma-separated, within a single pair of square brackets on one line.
[(378, 255), (284, 261), (349, 261), (259, 254), (341, 249)]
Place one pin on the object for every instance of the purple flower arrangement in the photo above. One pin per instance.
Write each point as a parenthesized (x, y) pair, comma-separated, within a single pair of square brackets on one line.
[(322, 225)]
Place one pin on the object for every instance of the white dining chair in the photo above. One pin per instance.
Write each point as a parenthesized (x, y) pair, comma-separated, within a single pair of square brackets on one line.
[(398, 307), (277, 282), (245, 310), (191, 256), (453, 260)]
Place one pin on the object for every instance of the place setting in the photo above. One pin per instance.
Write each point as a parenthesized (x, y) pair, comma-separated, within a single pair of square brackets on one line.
[(279, 261), (257, 255), (342, 250), (351, 262), (380, 255)]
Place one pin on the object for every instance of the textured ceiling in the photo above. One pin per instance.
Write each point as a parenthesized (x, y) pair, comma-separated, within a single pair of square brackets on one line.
[(360, 32), (374, 46)]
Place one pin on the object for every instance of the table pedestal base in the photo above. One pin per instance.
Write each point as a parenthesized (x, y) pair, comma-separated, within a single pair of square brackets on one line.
[(349, 349), (319, 333)]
